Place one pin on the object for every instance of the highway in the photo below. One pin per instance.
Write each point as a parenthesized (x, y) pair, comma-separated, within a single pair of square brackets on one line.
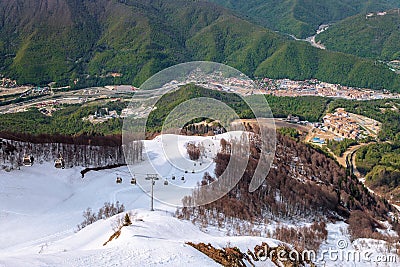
[(81, 95)]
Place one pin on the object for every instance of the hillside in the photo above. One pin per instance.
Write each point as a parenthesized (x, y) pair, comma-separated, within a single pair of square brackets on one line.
[(299, 60), (373, 36), (41, 206), (302, 17), (325, 189), (86, 43)]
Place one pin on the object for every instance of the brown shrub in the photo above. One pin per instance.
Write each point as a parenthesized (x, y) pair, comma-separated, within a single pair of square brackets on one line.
[(193, 151), (362, 225)]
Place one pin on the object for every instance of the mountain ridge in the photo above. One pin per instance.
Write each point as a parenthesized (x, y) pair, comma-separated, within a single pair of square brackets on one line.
[(375, 35), (99, 42), (300, 17)]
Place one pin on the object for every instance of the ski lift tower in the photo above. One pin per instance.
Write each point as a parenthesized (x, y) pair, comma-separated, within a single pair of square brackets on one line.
[(153, 178)]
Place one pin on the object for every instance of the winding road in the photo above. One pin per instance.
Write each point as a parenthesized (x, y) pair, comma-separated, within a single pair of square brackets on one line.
[(351, 166)]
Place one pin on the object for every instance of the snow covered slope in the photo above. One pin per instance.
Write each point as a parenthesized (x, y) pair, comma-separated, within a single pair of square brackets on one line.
[(43, 201), (40, 207)]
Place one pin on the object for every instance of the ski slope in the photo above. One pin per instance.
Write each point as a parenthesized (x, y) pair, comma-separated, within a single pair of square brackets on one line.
[(40, 208), (41, 200)]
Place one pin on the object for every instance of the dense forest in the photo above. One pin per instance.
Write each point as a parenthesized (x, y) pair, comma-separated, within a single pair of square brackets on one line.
[(67, 120), (339, 147), (381, 165), (302, 17), (172, 99), (87, 43), (373, 37), (307, 108)]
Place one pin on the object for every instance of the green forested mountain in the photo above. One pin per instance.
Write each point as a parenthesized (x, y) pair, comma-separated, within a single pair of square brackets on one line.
[(375, 36), (298, 60), (302, 17), (88, 40)]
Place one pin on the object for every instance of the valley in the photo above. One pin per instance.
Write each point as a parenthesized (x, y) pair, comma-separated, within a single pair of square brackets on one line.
[(199, 133)]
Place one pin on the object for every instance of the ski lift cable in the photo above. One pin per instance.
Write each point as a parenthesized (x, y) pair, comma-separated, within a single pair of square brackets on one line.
[(176, 174), (170, 174)]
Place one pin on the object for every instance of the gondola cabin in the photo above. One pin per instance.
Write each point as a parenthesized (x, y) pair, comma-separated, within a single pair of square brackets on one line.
[(59, 163), (165, 182), (28, 161), (119, 180), (133, 181)]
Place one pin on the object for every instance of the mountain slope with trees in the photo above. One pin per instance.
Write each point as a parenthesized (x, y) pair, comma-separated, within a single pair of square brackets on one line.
[(303, 184), (302, 17), (374, 36), (98, 42)]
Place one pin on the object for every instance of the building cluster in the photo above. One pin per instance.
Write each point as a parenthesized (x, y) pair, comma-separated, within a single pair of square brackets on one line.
[(313, 87), (293, 119), (122, 88), (341, 124), (36, 91), (102, 115), (48, 107), (318, 140), (240, 82), (394, 66), (8, 83), (371, 15), (114, 74)]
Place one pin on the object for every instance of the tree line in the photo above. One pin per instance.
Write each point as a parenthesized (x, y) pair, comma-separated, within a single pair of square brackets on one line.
[(13, 152)]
